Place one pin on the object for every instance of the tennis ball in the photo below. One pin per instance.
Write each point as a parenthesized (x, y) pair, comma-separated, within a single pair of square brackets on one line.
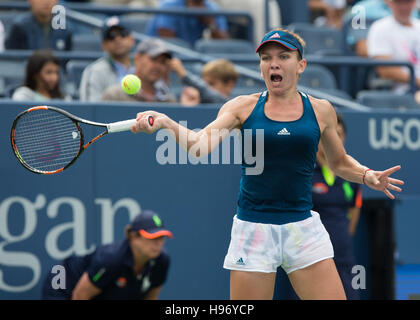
[(131, 84)]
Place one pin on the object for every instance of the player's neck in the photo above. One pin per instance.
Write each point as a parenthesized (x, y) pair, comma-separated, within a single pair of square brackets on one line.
[(285, 99), (139, 262)]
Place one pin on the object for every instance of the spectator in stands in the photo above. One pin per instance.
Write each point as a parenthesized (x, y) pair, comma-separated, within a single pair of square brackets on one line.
[(188, 28), (257, 10), (332, 12), (218, 78), (369, 10), (150, 62), (117, 43), (397, 37), (34, 30), (42, 79)]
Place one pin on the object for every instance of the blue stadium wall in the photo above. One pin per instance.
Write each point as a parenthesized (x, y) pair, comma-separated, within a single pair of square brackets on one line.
[(44, 219)]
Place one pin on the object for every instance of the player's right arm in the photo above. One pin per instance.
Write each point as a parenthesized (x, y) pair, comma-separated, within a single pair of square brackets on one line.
[(85, 289), (230, 117)]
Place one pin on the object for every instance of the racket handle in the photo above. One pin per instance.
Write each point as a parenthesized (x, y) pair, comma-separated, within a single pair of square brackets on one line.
[(126, 125), (120, 125)]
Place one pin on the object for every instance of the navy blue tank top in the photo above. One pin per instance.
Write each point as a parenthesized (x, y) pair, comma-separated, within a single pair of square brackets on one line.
[(282, 193)]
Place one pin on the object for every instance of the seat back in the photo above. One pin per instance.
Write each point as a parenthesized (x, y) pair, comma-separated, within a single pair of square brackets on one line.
[(74, 70), (387, 99), (87, 42), (221, 46), (319, 40), (318, 77)]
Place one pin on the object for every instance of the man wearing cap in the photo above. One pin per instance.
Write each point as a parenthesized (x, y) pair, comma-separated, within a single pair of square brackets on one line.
[(117, 43), (151, 66), (134, 268), (274, 224)]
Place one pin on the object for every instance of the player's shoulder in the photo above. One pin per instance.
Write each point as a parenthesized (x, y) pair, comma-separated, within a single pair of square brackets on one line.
[(163, 258), (241, 102), (323, 109), (241, 106), (321, 105), (111, 254)]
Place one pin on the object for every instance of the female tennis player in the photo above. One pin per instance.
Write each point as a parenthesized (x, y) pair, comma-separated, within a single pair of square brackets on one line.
[(274, 225)]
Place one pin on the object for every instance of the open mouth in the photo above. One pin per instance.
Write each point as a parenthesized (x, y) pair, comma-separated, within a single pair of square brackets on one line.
[(276, 78)]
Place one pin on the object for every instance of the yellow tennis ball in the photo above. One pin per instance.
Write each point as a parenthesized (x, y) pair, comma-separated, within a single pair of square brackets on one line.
[(131, 84)]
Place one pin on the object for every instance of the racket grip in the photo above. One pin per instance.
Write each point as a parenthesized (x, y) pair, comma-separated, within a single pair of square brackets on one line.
[(120, 125), (126, 125)]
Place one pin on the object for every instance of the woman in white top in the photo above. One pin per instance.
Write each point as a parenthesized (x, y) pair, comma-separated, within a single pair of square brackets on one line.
[(42, 79), (397, 37)]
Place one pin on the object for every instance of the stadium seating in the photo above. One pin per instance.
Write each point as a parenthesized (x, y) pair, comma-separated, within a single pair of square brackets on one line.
[(178, 42), (319, 40), (219, 46), (387, 99), (135, 23), (74, 70), (86, 42), (318, 77), (12, 74), (7, 17)]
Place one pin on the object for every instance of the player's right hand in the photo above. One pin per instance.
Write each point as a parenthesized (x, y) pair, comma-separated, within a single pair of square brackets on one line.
[(142, 124)]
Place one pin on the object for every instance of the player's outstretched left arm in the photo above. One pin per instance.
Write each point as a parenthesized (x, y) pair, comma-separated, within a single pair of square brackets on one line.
[(345, 165)]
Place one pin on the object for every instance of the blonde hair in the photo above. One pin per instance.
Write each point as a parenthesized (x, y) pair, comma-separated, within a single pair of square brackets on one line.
[(221, 69)]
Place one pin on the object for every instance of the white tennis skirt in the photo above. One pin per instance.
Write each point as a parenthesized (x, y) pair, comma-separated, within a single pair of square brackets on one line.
[(260, 247)]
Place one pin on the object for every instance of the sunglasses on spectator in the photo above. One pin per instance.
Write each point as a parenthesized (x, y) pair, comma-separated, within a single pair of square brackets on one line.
[(113, 34)]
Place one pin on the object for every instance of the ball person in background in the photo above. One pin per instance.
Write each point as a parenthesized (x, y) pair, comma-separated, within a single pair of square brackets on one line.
[(274, 224), (134, 268)]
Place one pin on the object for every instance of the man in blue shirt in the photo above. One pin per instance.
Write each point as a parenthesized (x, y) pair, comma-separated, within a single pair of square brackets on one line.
[(188, 28), (33, 30), (134, 268)]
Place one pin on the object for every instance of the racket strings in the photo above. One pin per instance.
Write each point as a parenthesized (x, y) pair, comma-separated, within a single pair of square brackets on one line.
[(46, 140)]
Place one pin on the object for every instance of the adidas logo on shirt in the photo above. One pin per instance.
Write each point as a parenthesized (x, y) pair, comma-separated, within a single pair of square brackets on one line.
[(283, 132), (240, 262)]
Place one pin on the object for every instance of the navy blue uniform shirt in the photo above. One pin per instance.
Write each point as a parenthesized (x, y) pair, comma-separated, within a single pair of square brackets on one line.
[(110, 268), (282, 192)]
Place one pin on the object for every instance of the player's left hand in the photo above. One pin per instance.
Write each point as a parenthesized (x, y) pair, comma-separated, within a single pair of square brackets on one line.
[(380, 180)]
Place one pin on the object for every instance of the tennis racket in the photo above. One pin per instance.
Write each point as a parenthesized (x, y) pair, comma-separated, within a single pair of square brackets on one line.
[(48, 140)]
